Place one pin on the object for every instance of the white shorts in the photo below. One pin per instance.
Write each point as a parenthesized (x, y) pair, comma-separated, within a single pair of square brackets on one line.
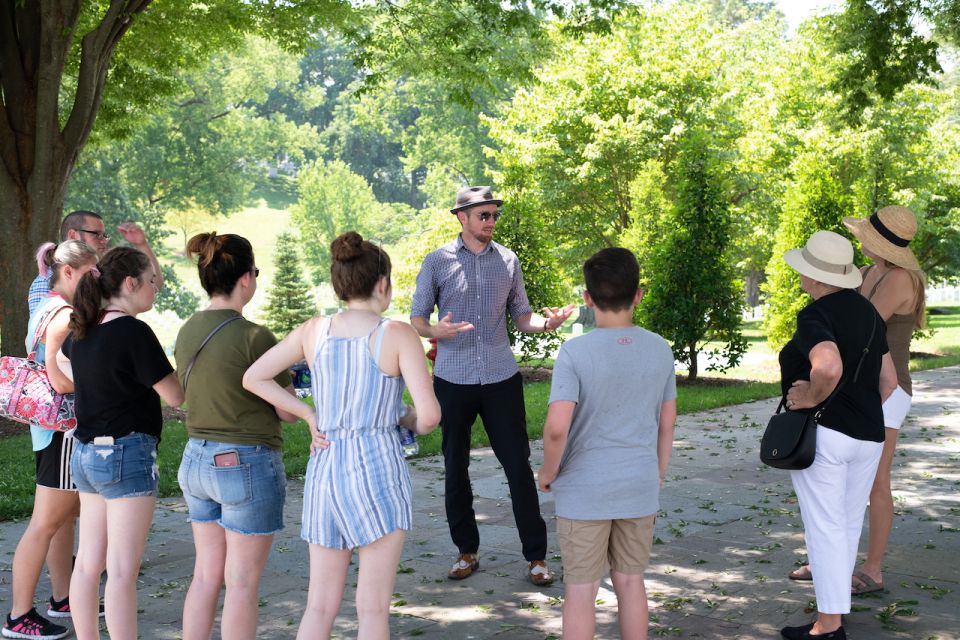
[(896, 408)]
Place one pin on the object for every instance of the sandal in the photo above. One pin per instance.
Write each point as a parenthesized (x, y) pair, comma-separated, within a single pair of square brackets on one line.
[(801, 573), (867, 584)]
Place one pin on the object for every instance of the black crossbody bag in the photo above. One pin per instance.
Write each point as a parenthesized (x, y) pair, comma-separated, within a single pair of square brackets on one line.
[(790, 440)]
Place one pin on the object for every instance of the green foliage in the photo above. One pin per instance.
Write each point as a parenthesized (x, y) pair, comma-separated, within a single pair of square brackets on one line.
[(691, 294), (174, 297), (884, 51), (206, 147), (468, 46), (817, 201), (333, 199), (522, 230), (290, 303)]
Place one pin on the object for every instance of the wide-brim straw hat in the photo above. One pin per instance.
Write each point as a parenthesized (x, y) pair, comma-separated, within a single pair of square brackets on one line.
[(474, 197), (827, 258), (887, 233)]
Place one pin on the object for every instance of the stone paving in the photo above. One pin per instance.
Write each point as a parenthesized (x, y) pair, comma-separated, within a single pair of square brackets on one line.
[(727, 535)]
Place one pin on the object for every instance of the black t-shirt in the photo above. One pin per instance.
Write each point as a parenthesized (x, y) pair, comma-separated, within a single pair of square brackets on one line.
[(844, 318), (114, 369)]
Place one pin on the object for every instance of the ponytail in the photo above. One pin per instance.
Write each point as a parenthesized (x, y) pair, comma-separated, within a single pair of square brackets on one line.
[(102, 283), (51, 258), (45, 258)]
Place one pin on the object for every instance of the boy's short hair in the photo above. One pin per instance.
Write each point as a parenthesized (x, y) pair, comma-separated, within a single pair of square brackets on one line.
[(612, 277)]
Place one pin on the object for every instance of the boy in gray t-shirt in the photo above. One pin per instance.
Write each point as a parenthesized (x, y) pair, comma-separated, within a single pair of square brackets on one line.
[(606, 445)]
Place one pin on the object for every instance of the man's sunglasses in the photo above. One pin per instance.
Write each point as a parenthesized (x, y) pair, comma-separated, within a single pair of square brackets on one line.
[(98, 234), (486, 215)]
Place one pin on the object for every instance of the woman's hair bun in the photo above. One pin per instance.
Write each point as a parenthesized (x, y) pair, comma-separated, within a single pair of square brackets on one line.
[(347, 246), (205, 246)]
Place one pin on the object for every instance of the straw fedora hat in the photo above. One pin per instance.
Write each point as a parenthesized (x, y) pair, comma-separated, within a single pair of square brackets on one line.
[(827, 258), (887, 233)]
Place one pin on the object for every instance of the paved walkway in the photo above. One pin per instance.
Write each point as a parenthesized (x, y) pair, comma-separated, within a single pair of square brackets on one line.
[(728, 534)]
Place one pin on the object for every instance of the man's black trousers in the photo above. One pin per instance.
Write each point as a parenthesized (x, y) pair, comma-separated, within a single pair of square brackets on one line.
[(501, 408)]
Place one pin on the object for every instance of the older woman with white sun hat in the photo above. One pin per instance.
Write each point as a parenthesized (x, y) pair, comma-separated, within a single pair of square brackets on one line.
[(839, 344)]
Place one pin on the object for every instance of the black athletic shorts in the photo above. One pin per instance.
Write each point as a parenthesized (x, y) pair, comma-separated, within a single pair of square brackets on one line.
[(53, 463)]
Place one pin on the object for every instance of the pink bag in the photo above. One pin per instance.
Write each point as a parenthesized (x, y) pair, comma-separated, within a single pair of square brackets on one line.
[(26, 394)]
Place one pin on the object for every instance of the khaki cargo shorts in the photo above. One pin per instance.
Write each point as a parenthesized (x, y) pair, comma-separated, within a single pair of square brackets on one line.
[(590, 548)]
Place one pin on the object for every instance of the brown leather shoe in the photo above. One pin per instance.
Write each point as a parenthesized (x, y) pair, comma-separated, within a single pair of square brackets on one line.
[(539, 574), (464, 567)]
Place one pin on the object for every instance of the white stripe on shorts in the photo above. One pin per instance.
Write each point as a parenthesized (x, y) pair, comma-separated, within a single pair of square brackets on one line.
[(66, 452)]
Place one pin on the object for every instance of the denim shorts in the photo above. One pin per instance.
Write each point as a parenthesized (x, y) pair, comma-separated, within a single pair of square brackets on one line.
[(125, 469), (247, 498)]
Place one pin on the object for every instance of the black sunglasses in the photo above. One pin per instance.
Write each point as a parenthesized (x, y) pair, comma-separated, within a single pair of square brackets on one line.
[(256, 272), (98, 234), (486, 215)]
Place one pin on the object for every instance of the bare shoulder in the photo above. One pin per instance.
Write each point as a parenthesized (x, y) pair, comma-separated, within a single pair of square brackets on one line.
[(898, 286), (900, 277), (400, 330)]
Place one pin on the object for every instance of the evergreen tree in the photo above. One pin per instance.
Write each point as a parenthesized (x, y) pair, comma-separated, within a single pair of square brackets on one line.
[(290, 302)]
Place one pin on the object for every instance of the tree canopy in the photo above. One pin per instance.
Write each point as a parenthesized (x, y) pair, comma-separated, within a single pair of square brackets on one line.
[(655, 126)]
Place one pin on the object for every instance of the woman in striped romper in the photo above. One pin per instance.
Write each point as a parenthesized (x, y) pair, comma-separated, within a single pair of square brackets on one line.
[(357, 491)]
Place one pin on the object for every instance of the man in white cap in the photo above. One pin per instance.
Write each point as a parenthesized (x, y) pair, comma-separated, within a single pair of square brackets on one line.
[(473, 282)]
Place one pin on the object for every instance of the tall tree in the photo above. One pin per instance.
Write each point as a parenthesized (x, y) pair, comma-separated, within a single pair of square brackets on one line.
[(56, 56), (55, 60), (693, 296)]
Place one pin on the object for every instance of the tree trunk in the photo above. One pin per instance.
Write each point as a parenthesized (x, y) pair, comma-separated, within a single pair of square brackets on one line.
[(694, 366), (37, 155), (19, 238)]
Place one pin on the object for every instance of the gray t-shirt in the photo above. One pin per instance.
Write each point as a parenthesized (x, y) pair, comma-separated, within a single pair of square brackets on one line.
[(618, 378)]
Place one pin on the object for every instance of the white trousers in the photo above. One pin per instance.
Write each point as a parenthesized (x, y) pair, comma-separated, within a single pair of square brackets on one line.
[(833, 496)]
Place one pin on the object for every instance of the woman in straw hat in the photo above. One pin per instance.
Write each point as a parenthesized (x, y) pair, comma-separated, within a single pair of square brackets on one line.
[(831, 350), (896, 286)]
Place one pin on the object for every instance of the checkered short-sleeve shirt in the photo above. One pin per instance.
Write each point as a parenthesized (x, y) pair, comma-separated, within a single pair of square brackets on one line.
[(38, 292), (479, 289)]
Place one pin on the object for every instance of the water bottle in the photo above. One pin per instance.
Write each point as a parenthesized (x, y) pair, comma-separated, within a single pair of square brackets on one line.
[(301, 379), (408, 442)]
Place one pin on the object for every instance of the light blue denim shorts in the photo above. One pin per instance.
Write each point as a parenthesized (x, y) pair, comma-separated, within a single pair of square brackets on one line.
[(125, 469), (247, 498)]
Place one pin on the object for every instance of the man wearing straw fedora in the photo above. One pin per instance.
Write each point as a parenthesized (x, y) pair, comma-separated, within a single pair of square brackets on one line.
[(896, 286), (473, 282)]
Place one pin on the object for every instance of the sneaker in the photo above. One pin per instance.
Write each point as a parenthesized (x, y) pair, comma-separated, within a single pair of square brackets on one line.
[(464, 567), (539, 574), (61, 608), (33, 626)]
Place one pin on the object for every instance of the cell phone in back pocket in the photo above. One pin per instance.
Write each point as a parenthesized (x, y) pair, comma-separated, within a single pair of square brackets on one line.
[(226, 459)]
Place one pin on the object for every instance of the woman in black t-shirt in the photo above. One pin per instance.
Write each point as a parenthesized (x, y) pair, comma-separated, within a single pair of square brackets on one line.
[(826, 352), (120, 373)]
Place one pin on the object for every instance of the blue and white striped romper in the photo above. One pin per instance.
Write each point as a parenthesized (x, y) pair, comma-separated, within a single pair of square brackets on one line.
[(358, 489)]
